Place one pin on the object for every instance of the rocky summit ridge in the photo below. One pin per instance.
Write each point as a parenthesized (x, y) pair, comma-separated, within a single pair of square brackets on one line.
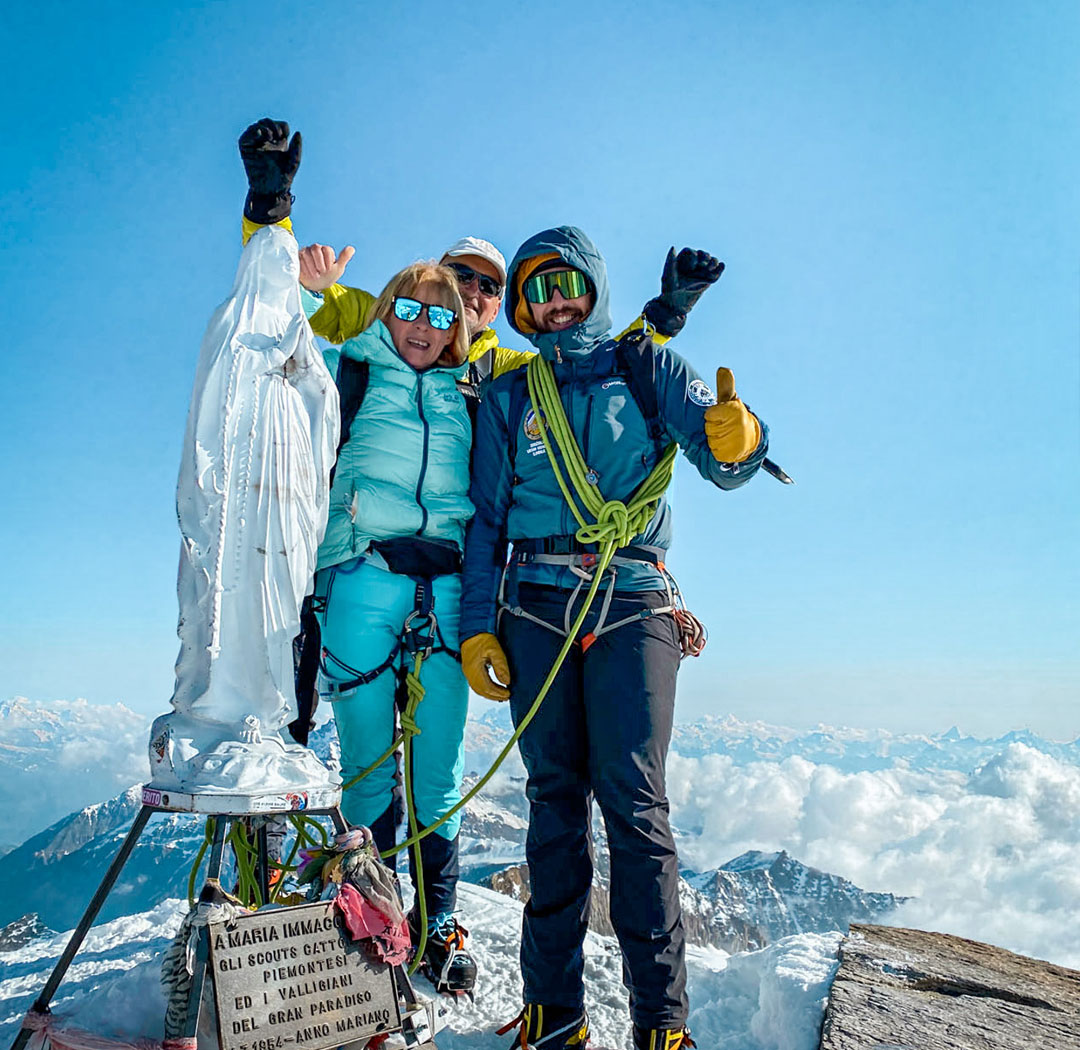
[(899, 989)]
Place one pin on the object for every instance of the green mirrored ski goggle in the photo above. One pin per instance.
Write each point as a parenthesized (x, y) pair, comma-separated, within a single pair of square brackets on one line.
[(541, 286)]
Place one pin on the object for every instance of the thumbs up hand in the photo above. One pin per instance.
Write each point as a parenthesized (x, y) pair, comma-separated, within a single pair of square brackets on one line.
[(731, 428), (320, 267)]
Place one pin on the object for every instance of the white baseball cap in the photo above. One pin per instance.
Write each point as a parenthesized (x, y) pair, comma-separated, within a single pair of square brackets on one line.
[(481, 248)]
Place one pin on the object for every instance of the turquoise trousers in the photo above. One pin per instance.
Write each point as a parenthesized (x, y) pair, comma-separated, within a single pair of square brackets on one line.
[(366, 609)]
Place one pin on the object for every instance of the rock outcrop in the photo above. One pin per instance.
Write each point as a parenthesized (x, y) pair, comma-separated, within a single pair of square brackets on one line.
[(902, 989)]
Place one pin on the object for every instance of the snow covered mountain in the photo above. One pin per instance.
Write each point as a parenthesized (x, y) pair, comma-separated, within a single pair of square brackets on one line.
[(975, 832), (772, 999), (752, 901), (54, 873), (759, 898), (748, 903)]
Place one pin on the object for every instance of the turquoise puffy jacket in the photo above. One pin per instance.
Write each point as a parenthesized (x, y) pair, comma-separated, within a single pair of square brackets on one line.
[(405, 468)]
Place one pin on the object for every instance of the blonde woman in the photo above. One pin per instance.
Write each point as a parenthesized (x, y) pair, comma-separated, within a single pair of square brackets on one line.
[(389, 581)]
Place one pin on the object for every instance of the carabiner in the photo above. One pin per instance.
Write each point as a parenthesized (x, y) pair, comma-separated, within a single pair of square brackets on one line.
[(411, 636)]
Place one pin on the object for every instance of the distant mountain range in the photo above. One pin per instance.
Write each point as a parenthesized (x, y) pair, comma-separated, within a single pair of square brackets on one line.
[(854, 750), (746, 904), (59, 756), (53, 752), (757, 898), (62, 755)]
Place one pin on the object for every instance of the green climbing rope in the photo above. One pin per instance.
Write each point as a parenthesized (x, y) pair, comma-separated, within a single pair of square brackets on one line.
[(615, 524), (415, 693)]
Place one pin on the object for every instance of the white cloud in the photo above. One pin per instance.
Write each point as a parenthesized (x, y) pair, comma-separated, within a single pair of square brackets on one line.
[(994, 855)]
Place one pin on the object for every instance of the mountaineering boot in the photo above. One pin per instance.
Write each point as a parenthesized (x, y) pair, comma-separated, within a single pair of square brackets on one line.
[(446, 963), (662, 1038), (549, 1027)]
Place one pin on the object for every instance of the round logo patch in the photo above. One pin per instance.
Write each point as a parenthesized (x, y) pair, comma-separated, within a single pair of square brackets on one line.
[(700, 394), (531, 426)]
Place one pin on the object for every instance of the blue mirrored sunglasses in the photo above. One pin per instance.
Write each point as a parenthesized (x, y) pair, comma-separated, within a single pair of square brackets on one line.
[(440, 317)]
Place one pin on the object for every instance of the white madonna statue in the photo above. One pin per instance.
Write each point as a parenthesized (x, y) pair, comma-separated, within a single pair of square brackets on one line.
[(252, 495)]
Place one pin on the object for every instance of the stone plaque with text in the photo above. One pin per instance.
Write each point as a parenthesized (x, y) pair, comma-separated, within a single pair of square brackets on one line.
[(293, 979)]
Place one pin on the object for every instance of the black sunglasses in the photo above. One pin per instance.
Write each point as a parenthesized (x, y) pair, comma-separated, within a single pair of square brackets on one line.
[(466, 275)]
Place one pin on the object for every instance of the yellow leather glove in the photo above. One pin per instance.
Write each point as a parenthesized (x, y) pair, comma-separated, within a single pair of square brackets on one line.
[(478, 654), (731, 428)]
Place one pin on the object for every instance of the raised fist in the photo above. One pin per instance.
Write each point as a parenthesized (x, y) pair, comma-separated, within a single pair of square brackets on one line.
[(271, 162), (690, 271), (684, 280)]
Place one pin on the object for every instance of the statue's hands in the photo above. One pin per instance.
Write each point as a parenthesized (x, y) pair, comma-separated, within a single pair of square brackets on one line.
[(271, 162), (320, 267)]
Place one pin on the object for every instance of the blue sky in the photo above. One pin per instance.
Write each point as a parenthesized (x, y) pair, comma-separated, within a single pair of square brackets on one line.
[(892, 186)]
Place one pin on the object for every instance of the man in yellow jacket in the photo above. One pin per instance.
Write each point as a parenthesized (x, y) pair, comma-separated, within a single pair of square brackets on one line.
[(481, 273)]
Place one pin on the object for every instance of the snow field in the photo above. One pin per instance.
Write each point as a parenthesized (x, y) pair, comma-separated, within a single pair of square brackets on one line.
[(768, 1000)]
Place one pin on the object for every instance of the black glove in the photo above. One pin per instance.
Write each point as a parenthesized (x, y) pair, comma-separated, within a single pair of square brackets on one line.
[(685, 278), (271, 162)]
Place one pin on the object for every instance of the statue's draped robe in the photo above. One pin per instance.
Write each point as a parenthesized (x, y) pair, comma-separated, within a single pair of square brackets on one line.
[(251, 500)]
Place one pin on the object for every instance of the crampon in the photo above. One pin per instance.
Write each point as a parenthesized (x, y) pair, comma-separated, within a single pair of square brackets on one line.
[(446, 962)]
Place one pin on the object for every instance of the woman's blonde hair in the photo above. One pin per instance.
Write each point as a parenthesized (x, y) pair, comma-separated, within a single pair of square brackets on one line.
[(406, 283)]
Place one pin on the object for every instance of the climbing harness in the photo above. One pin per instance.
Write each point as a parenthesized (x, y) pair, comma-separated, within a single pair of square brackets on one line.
[(692, 632), (614, 526)]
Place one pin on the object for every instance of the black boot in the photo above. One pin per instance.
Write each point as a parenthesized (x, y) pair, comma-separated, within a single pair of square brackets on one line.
[(446, 962), (549, 1027), (662, 1038)]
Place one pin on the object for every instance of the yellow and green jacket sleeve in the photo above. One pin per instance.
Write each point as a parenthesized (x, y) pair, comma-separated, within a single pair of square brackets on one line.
[(506, 360), (345, 312), (247, 227)]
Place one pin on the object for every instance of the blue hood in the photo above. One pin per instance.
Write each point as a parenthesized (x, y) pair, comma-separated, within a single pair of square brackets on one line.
[(575, 249)]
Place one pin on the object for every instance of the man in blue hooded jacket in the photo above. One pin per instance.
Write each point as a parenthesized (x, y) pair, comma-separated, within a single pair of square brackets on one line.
[(604, 728)]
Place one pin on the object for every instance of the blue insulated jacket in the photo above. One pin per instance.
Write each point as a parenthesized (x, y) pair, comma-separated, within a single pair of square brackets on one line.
[(514, 488), (405, 468)]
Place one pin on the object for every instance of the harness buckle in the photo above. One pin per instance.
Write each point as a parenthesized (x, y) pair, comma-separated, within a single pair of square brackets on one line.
[(419, 638)]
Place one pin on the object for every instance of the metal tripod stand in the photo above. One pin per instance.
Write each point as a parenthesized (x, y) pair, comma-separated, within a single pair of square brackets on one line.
[(420, 1019)]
